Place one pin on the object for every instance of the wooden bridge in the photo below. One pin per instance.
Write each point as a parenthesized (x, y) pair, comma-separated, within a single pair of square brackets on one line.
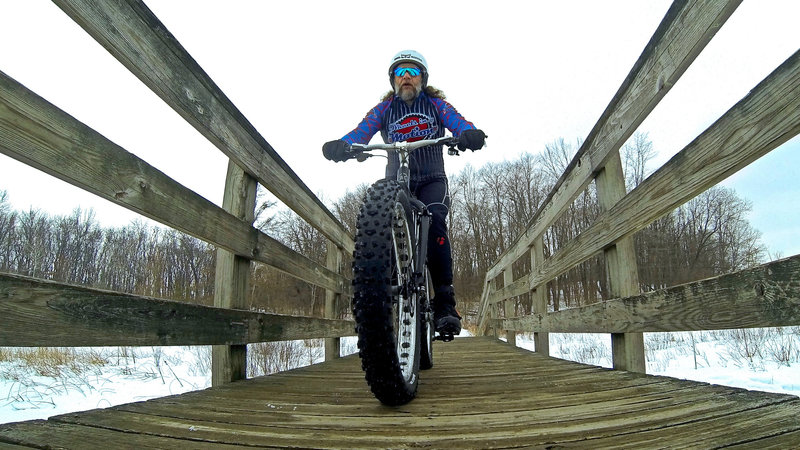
[(482, 392)]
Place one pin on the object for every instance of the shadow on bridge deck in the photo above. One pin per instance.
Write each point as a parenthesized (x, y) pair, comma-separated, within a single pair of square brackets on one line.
[(482, 393)]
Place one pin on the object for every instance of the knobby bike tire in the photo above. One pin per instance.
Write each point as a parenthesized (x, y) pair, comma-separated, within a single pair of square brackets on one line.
[(388, 333)]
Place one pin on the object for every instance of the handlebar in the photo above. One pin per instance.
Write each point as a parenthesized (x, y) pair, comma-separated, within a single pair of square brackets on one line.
[(407, 147)]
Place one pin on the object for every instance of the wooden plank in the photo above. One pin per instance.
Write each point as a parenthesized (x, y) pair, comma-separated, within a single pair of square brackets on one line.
[(232, 277), (539, 297), (620, 258), (683, 33), (64, 435), (766, 118), (742, 427), (135, 36), (766, 296), (627, 349), (513, 289), (778, 441), (484, 309), (378, 424), (333, 261), (509, 306), (39, 313), (39, 134), (310, 408)]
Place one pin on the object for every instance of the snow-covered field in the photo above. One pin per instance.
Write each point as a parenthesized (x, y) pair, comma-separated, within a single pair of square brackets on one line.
[(128, 375), (101, 377), (756, 359)]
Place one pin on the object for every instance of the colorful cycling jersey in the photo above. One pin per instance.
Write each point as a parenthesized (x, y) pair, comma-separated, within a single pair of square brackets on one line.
[(397, 121)]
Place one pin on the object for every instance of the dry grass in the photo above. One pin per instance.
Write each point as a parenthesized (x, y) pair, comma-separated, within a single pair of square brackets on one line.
[(52, 361)]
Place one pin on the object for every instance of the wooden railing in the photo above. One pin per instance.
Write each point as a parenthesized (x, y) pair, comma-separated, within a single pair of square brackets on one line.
[(767, 117), (39, 313)]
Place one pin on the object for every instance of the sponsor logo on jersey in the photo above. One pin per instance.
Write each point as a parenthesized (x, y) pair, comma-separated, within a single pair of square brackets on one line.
[(412, 127)]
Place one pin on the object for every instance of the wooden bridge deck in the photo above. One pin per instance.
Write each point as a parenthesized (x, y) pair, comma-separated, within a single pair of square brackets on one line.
[(481, 394)]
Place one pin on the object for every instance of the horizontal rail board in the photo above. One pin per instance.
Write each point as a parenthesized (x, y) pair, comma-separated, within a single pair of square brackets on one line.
[(766, 118), (39, 134), (135, 36), (38, 313), (766, 296), (683, 33), (514, 289)]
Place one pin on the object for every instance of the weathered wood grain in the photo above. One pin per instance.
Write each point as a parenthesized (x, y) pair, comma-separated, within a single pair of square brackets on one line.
[(627, 349), (518, 287), (541, 402), (766, 296), (37, 313), (41, 135), (683, 33), (333, 260), (135, 36), (509, 306), (539, 297), (232, 276)]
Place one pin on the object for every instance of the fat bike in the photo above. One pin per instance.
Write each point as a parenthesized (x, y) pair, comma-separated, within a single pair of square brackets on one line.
[(392, 290)]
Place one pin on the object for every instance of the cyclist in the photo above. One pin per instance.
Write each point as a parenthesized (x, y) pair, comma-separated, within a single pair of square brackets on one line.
[(411, 111)]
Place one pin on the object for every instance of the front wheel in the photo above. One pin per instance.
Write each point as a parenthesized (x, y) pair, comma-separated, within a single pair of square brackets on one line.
[(385, 303)]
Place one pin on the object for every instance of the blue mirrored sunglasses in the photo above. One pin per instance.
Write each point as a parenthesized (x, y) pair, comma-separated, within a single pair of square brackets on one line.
[(400, 71)]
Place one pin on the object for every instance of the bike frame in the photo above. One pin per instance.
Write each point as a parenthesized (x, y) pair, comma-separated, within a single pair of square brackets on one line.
[(422, 217)]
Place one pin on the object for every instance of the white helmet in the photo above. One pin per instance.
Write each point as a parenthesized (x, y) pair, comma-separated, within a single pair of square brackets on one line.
[(409, 56)]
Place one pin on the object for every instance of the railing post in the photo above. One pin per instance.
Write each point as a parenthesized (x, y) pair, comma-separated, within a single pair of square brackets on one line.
[(493, 310), (508, 305), (627, 349), (333, 261), (483, 311), (229, 362), (539, 297)]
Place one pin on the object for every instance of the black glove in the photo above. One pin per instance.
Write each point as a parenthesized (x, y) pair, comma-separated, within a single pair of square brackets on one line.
[(337, 150), (471, 139)]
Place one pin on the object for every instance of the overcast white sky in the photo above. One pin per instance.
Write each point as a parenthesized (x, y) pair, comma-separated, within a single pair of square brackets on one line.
[(305, 72)]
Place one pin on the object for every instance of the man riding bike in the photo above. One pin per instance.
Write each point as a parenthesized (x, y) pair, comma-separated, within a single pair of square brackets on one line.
[(412, 111)]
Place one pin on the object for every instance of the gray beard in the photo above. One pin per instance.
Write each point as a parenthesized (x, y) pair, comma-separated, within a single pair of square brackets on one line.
[(407, 95)]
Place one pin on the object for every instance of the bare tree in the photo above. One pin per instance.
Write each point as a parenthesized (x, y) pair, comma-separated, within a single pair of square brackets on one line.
[(32, 244), (76, 243), (347, 208), (8, 219), (636, 156)]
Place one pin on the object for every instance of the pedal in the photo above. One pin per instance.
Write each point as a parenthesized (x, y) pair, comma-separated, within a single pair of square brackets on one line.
[(444, 337)]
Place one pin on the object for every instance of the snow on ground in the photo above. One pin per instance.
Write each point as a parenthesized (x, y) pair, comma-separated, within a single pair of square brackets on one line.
[(748, 359), (129, 375), (36, 391), (745, 360)]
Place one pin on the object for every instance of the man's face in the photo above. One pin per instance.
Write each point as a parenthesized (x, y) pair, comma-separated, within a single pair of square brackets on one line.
[(408, 87)]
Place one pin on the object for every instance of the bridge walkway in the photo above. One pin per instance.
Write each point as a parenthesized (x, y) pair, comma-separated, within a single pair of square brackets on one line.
[(482, 393)]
